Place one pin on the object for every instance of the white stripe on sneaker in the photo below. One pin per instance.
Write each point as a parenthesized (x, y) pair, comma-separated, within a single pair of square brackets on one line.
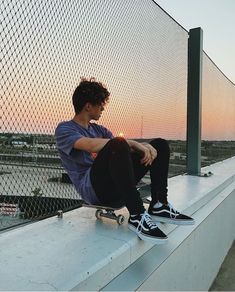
[(140, 224), (162, 211)]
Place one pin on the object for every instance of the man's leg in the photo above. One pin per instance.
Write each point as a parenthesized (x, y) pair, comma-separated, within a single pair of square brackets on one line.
[(113, 179), (112, 176), (158, 170), (159, 208)]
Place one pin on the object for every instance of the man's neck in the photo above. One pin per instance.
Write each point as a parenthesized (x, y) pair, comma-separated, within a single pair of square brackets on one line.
[(82, 120)]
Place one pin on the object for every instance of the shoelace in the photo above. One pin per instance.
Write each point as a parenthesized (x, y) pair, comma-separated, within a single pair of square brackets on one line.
[(147, 218), (176, 213)]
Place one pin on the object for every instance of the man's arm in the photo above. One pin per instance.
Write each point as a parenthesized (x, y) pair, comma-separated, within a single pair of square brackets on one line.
[(92, 145)]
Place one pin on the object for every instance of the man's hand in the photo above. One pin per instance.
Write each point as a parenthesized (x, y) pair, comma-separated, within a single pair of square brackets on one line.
[(153, 151), (147, 151)]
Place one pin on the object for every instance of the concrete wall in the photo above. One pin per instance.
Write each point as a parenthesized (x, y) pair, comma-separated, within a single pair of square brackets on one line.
[(193, 259), (195, 263), (81, 253)]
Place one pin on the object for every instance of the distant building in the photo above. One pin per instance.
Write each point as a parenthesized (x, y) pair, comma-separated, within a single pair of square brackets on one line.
[(19, 144), (178, 156)]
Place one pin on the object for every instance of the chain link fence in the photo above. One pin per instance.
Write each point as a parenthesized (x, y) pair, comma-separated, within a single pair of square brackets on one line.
[(218, 114), (133, 47)]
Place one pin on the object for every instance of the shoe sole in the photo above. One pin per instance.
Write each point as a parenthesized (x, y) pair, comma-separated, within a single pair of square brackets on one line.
[(172, 221), (155, 240)]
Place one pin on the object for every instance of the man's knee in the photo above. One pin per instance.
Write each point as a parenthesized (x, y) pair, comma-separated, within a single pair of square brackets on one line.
[(119, 144), (160, 144)]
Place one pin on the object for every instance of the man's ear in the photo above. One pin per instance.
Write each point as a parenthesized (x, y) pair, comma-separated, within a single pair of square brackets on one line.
[(87, 106)]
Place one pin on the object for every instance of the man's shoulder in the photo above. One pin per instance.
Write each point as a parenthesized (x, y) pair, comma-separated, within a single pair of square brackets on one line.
[(97, 126), (101, 130), (64, 125)]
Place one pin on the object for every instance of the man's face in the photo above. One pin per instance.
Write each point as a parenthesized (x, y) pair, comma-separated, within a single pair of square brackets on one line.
[(95, 111)]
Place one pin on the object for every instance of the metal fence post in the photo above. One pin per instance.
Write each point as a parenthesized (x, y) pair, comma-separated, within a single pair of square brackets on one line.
[(195, 52)]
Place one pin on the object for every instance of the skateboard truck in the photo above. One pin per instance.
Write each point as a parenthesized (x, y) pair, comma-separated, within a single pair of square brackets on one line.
[(109, 214)]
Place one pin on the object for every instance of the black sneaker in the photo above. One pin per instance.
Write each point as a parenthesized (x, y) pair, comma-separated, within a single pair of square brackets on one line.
[(168, 214), (146, 229)]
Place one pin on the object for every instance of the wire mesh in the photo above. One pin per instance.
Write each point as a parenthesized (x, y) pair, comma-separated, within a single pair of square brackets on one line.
[(218, 104), (135, 48), (218, 114)]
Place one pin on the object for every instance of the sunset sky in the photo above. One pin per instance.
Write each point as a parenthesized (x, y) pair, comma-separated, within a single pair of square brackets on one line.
[(136, 49), (217, 19)]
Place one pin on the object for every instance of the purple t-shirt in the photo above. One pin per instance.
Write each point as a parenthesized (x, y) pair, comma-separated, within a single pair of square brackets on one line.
[(78, 162)]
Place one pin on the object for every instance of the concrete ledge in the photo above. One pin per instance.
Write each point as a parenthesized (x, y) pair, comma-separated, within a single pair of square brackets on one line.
[(78, 252), (191, 260)]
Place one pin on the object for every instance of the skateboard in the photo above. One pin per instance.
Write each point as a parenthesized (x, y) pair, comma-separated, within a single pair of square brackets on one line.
[(109, 212)]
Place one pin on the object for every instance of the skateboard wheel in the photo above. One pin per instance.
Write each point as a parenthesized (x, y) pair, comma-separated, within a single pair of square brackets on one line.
[(98, 214), (120, 219)]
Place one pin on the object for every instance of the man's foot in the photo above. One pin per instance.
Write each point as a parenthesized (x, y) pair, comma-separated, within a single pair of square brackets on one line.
[(146, 229), (166, 213)]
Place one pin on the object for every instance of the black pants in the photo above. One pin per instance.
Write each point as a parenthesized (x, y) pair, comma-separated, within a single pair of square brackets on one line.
[(116, 171)]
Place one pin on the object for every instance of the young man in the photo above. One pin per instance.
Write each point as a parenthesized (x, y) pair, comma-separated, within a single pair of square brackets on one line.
[(105, 170)]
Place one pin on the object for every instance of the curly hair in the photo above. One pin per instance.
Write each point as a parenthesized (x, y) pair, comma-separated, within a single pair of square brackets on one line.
[(89, 90)]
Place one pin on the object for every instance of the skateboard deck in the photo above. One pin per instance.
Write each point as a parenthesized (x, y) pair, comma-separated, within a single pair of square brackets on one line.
[(109, 212)]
